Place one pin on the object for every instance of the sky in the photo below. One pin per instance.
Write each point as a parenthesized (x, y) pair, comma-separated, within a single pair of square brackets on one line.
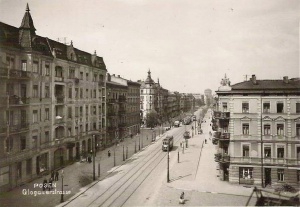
[(188, 44)]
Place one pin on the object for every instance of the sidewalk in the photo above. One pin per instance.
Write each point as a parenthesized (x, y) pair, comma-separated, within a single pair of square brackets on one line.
[(197, 170), (76, 175)]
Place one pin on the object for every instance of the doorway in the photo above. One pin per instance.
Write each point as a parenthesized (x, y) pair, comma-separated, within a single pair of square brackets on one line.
[(267, 176)]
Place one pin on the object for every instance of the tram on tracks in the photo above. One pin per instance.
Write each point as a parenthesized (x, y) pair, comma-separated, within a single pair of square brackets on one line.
[(167, 143)]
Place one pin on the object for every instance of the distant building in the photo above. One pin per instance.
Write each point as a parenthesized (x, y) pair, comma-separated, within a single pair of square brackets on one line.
[(257, 130), (52, 103), (208, 98), (123, 112)]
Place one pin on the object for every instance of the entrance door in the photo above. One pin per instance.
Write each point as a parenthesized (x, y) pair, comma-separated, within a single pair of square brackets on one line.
[(267, 176)]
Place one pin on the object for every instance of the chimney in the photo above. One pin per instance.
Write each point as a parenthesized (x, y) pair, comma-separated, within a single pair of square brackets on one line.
[(253, 79), (285, 79)]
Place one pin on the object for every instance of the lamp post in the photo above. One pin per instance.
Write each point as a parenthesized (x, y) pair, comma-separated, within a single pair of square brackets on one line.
[(62, 187), (126, 152), (123, 153), (168, 173), (94, 152), (139, 142)]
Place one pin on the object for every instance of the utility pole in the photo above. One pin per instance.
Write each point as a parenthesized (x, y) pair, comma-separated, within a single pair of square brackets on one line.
[(94, 152), (123, 153), (168, 174)]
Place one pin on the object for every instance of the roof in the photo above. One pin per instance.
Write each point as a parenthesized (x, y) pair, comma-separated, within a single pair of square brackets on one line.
[(266, 86)]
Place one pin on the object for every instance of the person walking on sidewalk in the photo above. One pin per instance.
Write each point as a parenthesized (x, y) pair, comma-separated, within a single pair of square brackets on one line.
[(56, 175), (108, 153), (44, 184), (50, 184), (52, 175)]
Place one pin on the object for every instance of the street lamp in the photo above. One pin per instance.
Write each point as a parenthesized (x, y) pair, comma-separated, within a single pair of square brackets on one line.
[(168, 174), (94, 151), (62, 187)]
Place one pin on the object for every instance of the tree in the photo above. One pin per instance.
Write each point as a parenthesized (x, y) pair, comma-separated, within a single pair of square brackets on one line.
[(152, 119)]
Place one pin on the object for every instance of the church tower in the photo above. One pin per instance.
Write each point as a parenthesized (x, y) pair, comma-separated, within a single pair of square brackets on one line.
[(26, 30)]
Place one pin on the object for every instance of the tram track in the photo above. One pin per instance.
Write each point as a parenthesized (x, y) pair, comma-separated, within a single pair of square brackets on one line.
[(149, 159)]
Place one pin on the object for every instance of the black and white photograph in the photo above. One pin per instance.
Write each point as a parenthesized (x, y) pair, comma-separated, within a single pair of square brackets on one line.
[(125, 103)]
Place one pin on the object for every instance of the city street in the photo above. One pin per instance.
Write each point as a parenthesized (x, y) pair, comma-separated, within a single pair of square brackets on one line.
[(80, 174), (143, 181)]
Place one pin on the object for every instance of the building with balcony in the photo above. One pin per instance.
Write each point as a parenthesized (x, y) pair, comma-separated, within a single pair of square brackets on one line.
[(52, 103), (257, 129), (123, 113)]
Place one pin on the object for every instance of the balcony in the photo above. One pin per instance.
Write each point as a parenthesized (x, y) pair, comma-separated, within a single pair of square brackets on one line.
[(18, 101), (3, 72), (221, 115), (111, 128), (122, 125), (24, 126), (225, 136), (19, 74), (222, 158), (13, 157), (59, 79), (111, 113), (111, 101), (101, 83), (121, 112), (60, 99), (122, 98), (59, 120)]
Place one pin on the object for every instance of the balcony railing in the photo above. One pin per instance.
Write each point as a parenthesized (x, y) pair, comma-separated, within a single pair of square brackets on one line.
[(221, 115), (13, 157), (223, 158), (122, 112), (122, 124), (225, 136), (101, 83), (122, 98), (19, 74), (266, 160), (15, 100), (24, 126), (60, 98)]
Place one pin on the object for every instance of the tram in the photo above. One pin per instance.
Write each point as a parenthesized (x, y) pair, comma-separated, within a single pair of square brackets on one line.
[(167, 142)]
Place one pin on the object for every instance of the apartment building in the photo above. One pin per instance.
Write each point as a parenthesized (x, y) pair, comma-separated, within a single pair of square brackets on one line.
[(52, 103), (257, 130), (123, 112)]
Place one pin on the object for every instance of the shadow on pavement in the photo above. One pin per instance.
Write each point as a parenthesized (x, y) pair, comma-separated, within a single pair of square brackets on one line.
[(180, 177)]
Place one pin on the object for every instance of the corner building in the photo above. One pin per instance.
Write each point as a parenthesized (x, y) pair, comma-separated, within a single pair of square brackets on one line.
[(257, 130), (52, 103)]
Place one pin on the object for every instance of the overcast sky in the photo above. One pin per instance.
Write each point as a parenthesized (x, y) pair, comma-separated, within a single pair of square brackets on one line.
[(188, 44)]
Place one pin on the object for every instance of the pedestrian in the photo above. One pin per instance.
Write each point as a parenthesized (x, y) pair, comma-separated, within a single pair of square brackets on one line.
[(205, 141), (56, 175), (108, 153), (44, 184), (52, 175), (181, 198), (50, 183)]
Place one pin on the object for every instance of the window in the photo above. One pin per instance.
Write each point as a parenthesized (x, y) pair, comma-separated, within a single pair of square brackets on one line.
[(298, 130), (80, 111), (35, 91), (35, 67), (24, 65), (246, 150), (94, 110), (47, 114), (298, 176), (266, 107), (81, 93), (22, 143), (69, 112), (224, 104), (10, 61), (246, 129), (86, 93), (94, 91), (267, 129), (28, 166), (95, 77), (47, 70), (35, 116), (34, 141), (58, 71), (94, 126), (76, 111), (246, 172), (47, 137), (87, 111), (298, 108), (245, 107), (81, 76), (280, 130), (71, 72), (298, 153), (280, 152), (70, 92), (267, 151), (47, 91), (76, 93), (279, 107), (87, 76), (280, 174)]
